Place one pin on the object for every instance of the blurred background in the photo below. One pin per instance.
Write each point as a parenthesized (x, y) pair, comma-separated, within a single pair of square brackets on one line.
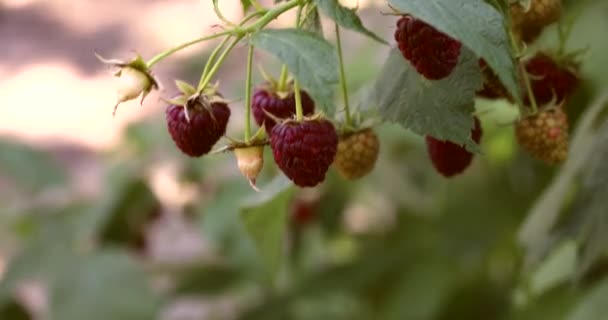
[(102, 217)]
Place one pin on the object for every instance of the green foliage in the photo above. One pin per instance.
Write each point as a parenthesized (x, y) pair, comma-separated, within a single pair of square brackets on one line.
[(593, 306), (311, 59), (441, 108), (80, 290), (346, 18), (265, 217), (31, 169), (477, 24)]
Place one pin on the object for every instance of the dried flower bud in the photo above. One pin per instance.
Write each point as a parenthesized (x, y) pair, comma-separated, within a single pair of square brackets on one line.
[(135, 79), (250, 161)]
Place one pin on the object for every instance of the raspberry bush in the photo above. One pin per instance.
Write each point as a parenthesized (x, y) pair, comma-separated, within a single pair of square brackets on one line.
[(459, 174)]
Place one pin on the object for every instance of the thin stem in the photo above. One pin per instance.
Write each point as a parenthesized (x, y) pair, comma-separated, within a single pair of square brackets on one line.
[(219, 14), (299, 111), (248, 94), (282, 85), (203, 84), (271, 15), (524, 74), (268, 16), (159, 57), (343, 84), (212, 57)]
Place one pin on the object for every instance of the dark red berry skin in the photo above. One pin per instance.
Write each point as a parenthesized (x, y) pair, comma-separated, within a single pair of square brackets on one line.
[(264, 99), (451, 159), (304, 150), (549, 80), (197, 137), (433, 53)]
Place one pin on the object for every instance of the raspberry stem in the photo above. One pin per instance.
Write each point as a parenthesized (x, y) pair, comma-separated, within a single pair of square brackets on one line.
[(218, 12), (212, 57), (343, 85), (239, 31), (248, 94), (205, 81), (159, 57), (299, 110), (524, 74), (282, 85)]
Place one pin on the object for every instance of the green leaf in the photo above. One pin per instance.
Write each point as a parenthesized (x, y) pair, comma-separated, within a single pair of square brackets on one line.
[(476, 24), (51, 247), (311, 59), (593, 306), (31, 169), (558, 268), (206, 279), (265, 219), (442, 109), (108, 285), (128, 212), (312, 19), (589, 208), (345, 17)]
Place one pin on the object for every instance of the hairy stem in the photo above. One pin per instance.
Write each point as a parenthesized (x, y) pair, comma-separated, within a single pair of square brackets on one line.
[(212, 57), (205, 81), (159, 57), (282, 85), (237, 30), (524, 74), (248, 94), (343, 85), (299, 111)]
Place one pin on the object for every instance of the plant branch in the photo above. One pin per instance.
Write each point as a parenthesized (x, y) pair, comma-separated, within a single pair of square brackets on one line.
[(343, 85)]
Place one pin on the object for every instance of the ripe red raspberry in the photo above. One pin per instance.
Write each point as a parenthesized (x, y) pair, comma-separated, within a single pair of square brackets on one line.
[(357, 154), (449, 158), (550, 80), (304, 150), (208, 120), (492, 86), (545, 135), (528, 24), (282, 105), (433, 53)]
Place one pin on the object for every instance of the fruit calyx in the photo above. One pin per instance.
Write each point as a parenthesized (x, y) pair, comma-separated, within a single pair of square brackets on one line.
[(196, 120)]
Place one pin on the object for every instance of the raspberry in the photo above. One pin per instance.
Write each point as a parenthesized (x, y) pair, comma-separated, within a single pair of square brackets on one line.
[(492, 86), (545, 135), (280, 105), (529, 24), (449, 158), (550, 80), (357, 154), (433, 53), (208, 120), (304, 150)]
